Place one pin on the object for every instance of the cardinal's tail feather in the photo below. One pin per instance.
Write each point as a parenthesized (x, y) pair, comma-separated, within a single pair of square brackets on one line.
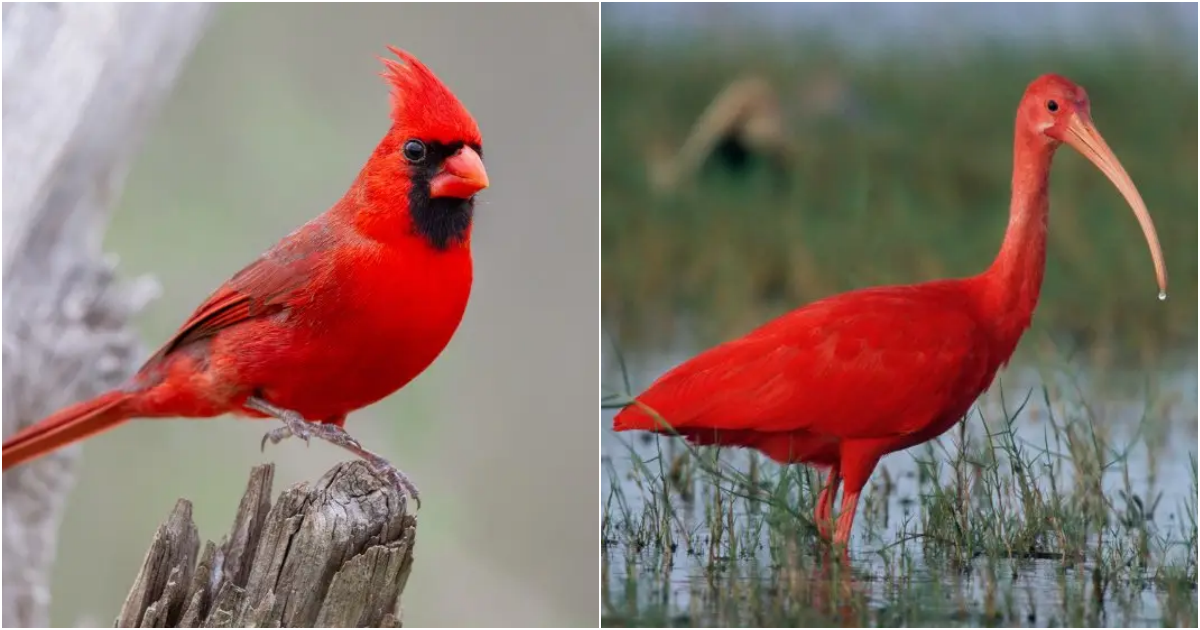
[(69, 425)]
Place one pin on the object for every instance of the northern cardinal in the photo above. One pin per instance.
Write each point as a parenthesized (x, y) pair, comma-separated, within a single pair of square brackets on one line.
[(340, 313)]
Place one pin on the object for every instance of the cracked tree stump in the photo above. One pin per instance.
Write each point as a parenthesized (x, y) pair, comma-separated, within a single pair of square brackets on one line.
[(334, 554), (81, 82)]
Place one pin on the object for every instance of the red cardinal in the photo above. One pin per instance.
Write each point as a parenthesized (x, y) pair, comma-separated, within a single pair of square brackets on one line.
[(336, 316), (848, 379)]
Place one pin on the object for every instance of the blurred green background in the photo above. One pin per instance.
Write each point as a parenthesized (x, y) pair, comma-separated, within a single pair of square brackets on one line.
[(900, 122), (271, 120)]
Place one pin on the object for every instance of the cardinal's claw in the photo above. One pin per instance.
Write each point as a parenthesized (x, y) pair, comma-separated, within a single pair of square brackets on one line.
[(299, 428), (399, 479), (294, 426), (275, 436), (293, 423)]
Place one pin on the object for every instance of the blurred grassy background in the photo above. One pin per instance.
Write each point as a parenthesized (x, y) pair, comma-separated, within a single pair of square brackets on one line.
[(271, 120), (903, 135)]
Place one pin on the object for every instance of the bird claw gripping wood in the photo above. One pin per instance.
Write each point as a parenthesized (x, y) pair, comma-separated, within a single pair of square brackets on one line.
[(334, 434), (296, 425), (397, 478)]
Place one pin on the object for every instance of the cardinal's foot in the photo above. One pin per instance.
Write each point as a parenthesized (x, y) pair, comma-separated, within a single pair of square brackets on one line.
[(294, 424), (396, 477)]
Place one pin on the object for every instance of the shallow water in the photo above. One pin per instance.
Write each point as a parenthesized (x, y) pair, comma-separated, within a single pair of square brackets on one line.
[(684, 589)]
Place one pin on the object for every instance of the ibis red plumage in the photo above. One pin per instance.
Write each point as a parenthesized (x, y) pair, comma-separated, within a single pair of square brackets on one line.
[(845, 380)]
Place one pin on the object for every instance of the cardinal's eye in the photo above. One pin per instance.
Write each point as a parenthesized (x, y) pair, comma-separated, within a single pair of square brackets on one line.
[(1052, 106), (414, 151)]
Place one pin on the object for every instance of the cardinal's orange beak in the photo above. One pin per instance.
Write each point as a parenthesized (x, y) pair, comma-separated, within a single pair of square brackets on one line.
[(462, 176)]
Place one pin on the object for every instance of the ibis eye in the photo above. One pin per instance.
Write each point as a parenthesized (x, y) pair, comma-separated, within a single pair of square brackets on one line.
[(414, 151), (1052, 106)]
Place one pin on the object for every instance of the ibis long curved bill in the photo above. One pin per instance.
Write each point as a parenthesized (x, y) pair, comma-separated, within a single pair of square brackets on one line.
[(1083, 137)]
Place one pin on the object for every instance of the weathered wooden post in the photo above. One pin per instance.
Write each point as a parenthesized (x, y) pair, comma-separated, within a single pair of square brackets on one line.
[(334, 554)]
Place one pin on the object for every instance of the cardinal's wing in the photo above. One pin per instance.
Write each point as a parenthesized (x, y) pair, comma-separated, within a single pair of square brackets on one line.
[(271, 284)]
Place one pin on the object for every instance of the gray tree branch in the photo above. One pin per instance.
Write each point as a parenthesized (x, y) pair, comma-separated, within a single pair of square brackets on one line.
[(81, 82)]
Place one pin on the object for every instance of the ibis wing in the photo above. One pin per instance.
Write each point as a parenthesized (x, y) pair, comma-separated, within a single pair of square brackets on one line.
[(865, 364)]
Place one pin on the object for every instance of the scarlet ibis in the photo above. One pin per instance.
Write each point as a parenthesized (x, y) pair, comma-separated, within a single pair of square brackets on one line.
[(847, 379)]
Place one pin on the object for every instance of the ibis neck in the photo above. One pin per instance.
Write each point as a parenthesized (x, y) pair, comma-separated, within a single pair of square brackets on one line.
[(1014, 280)]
